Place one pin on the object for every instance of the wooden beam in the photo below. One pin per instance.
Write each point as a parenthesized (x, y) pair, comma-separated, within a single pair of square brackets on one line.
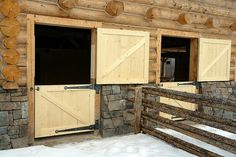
[(202, 135), (137, 109), (189, 147), (10, 8), (114, 8), (189, 115)]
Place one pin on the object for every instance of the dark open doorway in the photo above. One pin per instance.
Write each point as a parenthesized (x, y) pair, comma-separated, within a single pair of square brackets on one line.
[(175, 59), (63, 55)]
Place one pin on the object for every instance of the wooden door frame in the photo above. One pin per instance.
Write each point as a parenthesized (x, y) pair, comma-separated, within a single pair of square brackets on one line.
[(174, 33), (51, 21)]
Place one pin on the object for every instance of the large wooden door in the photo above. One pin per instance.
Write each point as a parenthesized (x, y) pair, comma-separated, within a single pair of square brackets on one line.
[(122, 56), (183, 87), (58, 108)]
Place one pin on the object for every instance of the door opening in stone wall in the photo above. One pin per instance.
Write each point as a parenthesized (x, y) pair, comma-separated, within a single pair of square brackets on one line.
[(64, 95)]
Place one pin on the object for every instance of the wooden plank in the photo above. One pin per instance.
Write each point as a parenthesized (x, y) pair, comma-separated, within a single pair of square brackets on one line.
[(66, 22), (158, 56), (183, 113), (193, 59), (137, 109), (30, 75), (189, 147), (202, 135)]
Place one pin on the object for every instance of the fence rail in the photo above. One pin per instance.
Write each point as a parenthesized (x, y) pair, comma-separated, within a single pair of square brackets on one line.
[(143, 115)]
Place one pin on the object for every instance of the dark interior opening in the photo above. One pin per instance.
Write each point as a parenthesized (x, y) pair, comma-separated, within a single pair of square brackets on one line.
[(62, 55), (175, 59)]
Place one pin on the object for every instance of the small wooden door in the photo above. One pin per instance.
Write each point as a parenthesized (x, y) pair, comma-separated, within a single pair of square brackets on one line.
[(214, 60), (183, 87), (58, 108)]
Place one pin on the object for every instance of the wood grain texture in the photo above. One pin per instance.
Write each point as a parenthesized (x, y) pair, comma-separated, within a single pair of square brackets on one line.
[(11, 73), (10, 8), (114, 8), (10, 27), (11, 56)]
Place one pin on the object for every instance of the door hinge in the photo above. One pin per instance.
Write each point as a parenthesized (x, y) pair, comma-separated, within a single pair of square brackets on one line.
[(95, 87), (90, 127)]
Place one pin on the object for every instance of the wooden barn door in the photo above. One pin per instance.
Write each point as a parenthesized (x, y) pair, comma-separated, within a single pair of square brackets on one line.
[(122, 56), (64, 95), (178, 86), (214, 60), (59, 108)]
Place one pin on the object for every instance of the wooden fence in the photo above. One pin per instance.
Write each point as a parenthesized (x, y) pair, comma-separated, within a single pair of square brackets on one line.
[(143, 116)]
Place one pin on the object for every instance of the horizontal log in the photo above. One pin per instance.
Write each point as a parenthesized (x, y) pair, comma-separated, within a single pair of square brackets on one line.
[(99, 15), (22, 61), (68, 4), (22, 82), (10, 42), (183, 113), (11, 73), (152, 54), (189, 147), (9, 85), (11, 56), (212, 23), (152, 66), (21, 37), (202, 135), (211, 101), (197, 7), (10, 27)]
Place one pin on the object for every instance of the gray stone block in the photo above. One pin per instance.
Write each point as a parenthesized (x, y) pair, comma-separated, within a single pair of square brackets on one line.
[(3, 130), (116, 105), (24, 109), (20, 122), (114, 97), (4, 139), (19, 142), (17, 114), (107, 124), (228, 115), (4, 118), (7, 106), (112, 114), (128, 116), (106, 87), (13, 130), (118, 121), (108, 132), (5, 97), (115, 89)]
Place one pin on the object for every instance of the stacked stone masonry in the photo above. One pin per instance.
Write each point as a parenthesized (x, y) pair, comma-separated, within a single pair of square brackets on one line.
[(13, 118), (220, 89), (115, 116)]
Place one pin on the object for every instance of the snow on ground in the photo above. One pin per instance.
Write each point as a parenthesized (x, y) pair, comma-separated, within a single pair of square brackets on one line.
[(139, 145), (125, 146)]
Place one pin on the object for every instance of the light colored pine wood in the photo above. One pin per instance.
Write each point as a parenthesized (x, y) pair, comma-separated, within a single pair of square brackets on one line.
[(30, 76), (11, 73), (114, 8), (193, 59), (177, 103), (10, 85), (10, 27), (185, 18), (137, 109), (68, 4), (57, 108), (11, 56), (214, 60), (122, 56), (233, 26), (152, 13), (10, 42), (10, 8), (212, 23)]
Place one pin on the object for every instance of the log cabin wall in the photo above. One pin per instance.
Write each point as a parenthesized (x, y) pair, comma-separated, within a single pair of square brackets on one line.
[(212, 19)]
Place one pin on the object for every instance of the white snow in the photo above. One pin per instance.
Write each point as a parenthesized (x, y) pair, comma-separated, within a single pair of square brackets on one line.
[(125, 146), (140, 145)]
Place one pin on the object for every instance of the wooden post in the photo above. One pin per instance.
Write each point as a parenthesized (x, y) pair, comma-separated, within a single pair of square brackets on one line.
[(137, 109)]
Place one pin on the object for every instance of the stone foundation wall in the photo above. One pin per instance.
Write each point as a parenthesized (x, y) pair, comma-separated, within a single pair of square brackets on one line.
[(219, 89), (115, 118), (13, 118)]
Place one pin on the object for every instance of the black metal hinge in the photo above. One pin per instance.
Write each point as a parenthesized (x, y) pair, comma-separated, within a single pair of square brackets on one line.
[(90, 127), (95, 87)]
